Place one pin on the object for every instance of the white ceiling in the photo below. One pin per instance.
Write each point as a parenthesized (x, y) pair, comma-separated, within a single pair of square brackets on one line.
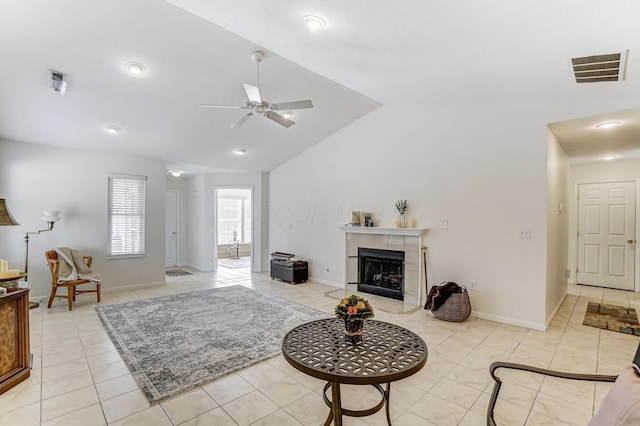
[(371, 52)]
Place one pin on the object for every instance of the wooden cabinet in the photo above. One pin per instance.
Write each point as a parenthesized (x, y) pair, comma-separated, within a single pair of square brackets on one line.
[(15, 363)]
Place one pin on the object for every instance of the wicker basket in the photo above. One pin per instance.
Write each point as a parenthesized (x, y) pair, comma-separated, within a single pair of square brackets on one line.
[(456, 308)]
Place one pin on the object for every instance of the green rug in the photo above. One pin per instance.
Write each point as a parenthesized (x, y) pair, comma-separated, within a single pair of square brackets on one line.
[(622, 319)]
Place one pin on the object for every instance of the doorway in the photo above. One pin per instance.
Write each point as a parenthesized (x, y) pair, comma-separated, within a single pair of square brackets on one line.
[(171, 229), (606, 234), (233, 234)]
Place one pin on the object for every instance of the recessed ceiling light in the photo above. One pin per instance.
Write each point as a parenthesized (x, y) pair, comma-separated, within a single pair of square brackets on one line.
[(135, 68), (609, 157), (176, 173), (608, 124), (287, 114), (240, 151), (113, 129), (314, 22)]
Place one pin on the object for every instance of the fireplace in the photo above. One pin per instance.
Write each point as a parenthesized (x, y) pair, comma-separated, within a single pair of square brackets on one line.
[(381, 272)]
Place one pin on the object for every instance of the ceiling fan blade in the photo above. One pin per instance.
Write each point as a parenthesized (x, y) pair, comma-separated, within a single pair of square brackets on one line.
[(294, 105), (224, 106), (253, 93), (242, 119), (283, 121)]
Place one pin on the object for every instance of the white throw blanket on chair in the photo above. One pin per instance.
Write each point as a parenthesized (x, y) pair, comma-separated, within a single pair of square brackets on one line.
[(73, 267)]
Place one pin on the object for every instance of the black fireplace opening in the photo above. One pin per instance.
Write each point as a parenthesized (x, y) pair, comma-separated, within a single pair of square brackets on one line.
[(381, 272)]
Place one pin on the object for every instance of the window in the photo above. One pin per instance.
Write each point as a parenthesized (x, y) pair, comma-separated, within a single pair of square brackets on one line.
[(234, 219), (126, 215)]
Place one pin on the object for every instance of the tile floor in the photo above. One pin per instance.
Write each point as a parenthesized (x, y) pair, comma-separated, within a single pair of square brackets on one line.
[(78, 377)]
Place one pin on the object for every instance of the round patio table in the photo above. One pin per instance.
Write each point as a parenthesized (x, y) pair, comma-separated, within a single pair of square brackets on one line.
[(387, 353)]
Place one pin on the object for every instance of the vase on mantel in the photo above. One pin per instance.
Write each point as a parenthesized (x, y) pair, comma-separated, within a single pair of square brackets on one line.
[(402, 218)]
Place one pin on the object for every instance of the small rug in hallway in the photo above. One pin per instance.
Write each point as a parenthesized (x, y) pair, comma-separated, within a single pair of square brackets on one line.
[(612, 317), (176, 273), (174, 343), (243, 262)]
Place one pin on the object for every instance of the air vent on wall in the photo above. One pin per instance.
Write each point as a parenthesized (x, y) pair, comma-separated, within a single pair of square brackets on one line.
[(594, 69)]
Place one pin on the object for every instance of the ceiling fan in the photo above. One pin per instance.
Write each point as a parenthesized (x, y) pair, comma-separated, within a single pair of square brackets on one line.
[(256, 105)]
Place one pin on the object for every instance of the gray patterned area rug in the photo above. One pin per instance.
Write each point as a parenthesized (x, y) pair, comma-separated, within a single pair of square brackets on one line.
[(174, 343)]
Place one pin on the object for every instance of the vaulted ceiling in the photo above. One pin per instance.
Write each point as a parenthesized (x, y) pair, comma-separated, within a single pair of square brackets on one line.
[(371, 52)]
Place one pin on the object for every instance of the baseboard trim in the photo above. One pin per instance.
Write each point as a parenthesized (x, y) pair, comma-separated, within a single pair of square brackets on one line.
[(510, 321), (134, 286), (555, 311), (331, 283)]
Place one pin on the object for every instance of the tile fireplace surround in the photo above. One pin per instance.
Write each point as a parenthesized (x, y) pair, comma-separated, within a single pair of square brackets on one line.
[(408, 240)]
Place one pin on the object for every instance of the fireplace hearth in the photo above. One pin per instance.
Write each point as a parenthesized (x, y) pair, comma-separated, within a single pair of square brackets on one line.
[(381, 272)]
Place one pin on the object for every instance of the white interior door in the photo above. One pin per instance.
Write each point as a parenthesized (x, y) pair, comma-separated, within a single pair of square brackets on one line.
[(606, 234), (171, 229)]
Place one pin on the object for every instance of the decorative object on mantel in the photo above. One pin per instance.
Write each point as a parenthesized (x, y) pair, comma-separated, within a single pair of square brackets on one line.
[(354, 310), (401, 206)]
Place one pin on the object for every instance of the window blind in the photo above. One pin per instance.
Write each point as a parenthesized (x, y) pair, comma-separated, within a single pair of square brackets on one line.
[(126, 215)]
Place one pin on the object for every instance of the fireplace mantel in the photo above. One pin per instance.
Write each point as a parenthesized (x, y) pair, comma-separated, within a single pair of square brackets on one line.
[(383, 231), (408, 240)]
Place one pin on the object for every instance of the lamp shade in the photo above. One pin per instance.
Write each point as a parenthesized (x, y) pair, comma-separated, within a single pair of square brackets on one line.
[(5, 215), (51, 215)]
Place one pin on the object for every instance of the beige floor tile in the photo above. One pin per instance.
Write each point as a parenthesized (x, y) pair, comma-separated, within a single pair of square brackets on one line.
[(261, 407), (285, 391), (188, 406), (309, 410), (473, 419), (561, 410), (88, 416), (124, 405), (68, 402), (109, 371), (455, 393), (22, 394), (574, 391), (279, 418), (228, 388), (150, 416), (438, 411), (70, 346), (410, 419), (261, 375), (66, 384), (27, 415), (64, 369), (115, 387), (215, 417)]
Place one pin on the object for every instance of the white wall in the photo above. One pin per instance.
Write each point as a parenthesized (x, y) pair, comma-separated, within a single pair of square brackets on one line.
[(38, 177), (604, 171), (200, 246), (483, 171), (557, 225)]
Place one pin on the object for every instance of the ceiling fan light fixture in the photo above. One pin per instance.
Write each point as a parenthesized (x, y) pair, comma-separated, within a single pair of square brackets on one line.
[(287, 114), (314, 22), (608, 124), (240, 151), (134, 68), (112, 129)]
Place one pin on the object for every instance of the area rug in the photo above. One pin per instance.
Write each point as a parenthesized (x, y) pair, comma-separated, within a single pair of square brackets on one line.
[(243, 262), (176, 273), (622, 319), (174, 343)]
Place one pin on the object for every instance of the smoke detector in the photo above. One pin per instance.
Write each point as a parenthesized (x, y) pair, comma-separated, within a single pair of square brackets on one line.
[(58, 84)]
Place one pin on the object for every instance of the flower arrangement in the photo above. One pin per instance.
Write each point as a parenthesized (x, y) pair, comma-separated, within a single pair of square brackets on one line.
[(401, 205), (354, 308)]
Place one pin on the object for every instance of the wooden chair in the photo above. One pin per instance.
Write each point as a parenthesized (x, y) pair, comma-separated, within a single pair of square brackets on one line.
[(52, 261)]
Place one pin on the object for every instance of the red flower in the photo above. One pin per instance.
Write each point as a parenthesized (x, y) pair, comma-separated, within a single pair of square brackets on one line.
[(352, 310)]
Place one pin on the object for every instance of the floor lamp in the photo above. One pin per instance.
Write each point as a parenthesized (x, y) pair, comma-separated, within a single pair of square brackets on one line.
[(49, 216)]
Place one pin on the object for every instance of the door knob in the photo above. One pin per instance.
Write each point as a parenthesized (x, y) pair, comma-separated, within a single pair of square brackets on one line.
[(630, 241)]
